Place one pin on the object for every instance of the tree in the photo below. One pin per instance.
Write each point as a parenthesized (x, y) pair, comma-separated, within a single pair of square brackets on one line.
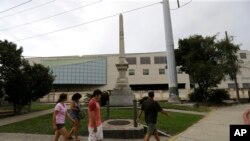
[(198, 58), (40, 80), (15, 88), (203, 59), (1, 92), (229, 60), (10, 62), (22, 82)]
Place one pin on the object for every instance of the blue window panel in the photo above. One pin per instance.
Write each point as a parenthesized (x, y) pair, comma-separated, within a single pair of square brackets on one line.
[(93, 72)]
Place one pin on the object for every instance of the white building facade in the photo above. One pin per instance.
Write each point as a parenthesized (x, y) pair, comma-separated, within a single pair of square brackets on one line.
[(147, 71)]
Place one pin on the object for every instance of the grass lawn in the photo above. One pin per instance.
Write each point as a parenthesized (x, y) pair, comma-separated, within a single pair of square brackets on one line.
[(41, 106), (42, 125), (34, 107), (177, 122), (167, 105)]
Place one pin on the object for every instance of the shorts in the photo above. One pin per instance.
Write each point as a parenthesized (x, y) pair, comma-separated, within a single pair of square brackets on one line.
[(151, 128), (95, 136), (59, 126)]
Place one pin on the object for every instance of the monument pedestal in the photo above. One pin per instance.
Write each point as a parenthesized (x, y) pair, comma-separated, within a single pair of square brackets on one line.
[(122, 129), (121, 97)]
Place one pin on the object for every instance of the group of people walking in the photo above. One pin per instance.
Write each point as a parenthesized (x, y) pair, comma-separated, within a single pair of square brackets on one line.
[(75, 115), (149, 107)]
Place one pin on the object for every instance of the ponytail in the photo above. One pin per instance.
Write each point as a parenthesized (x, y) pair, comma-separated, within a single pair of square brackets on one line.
[(62, 98)]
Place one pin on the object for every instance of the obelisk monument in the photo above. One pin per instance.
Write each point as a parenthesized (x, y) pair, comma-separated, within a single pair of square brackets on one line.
[(122, 94)]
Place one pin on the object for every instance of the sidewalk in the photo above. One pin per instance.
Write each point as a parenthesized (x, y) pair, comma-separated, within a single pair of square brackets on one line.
[(215, 126), (187, 112), (33, 137)]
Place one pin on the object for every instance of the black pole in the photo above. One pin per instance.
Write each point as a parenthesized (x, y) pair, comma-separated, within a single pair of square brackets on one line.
[(178, 3), (248, 95), (107, 104)]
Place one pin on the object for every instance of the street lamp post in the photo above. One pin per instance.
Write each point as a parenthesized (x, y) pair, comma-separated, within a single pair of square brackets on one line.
[(172, 75)]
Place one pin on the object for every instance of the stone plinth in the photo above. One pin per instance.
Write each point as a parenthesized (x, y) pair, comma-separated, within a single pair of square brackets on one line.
[(121, 98), (122, 129)]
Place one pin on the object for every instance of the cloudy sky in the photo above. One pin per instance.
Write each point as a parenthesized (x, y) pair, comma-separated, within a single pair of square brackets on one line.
[(81, 27)]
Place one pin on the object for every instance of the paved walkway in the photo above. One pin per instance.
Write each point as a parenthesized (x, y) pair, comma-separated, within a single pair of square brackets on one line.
[(187, 112), (33, 137), (214, 127)]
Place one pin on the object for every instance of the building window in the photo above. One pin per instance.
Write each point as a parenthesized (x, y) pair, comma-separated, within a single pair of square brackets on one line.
[(161, 71), (131, 72), (145, 60), (243, 55), (131, 60), (246, 85), (145, 71), (160, 60), (182, 86)]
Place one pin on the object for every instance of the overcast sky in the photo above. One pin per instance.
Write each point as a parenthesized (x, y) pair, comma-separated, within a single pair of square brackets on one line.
[(22, 20)]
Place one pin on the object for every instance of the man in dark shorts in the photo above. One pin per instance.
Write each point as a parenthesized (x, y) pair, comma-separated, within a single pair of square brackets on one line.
[(151, 109)]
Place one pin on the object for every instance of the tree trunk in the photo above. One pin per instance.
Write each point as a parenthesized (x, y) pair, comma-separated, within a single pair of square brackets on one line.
[(14, 109), (237, 89), (191, 81), (29, 107), (17, 108)]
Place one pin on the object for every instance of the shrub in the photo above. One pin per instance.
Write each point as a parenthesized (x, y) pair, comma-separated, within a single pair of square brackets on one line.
[(213, 96), (196, 96), (217, 96), (103, 100), (87, 98)]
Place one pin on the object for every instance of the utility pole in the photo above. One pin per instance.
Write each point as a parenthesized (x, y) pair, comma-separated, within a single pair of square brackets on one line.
[(172, 75), (235, 77)]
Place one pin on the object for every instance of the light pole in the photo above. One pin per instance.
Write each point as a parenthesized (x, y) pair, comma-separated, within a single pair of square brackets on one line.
[(172, 75)]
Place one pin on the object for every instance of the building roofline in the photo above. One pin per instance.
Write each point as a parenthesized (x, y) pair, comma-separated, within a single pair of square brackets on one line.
[(93, 55)]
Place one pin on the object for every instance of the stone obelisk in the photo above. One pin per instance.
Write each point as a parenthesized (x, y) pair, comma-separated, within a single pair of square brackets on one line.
[(122, 94)]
